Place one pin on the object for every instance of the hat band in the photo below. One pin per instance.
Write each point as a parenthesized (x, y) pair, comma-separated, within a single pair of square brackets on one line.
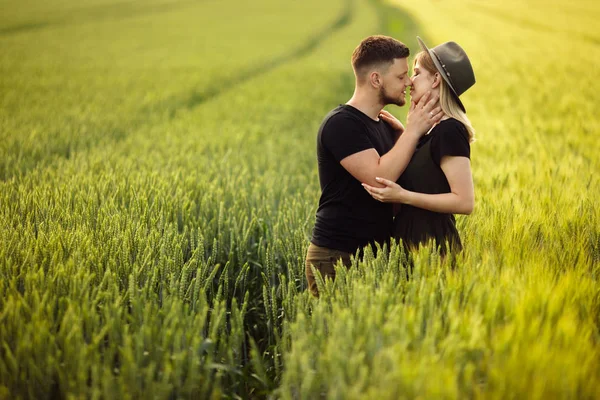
[(446, 71)]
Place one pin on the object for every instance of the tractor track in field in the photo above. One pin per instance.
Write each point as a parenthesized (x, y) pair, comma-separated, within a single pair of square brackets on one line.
[(187, 101), (97, 13), (196, 98)]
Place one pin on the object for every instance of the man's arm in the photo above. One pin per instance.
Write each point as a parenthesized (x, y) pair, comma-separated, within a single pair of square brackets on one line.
[(367, 164)]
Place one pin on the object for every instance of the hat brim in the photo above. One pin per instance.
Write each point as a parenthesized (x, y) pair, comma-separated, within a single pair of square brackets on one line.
[(438, 65)]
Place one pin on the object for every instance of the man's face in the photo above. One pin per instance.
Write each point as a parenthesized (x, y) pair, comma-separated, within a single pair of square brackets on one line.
[(394, 83)]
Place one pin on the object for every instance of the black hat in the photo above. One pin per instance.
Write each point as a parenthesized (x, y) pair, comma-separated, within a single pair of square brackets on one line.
[(453, 64)]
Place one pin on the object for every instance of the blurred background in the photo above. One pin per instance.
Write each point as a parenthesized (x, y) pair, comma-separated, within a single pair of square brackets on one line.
[(158, 184)]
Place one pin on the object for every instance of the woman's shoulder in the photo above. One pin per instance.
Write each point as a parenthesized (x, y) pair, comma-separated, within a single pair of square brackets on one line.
[(451, 139), (453, 127), (452, 124)]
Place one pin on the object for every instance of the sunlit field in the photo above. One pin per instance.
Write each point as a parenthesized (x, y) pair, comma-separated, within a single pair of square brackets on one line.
[(158, 185)]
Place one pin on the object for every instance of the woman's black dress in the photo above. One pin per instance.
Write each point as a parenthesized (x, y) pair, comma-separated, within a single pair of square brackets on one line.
[(423, 174)]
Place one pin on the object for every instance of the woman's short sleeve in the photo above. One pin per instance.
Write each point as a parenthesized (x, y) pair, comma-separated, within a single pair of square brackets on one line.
[(451, 140)]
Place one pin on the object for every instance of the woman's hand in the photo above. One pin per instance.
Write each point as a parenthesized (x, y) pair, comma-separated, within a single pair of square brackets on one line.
[(391, 193), (392, 121)]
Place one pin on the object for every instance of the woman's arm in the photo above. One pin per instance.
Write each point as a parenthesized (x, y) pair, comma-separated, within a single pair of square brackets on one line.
[(460, 200)]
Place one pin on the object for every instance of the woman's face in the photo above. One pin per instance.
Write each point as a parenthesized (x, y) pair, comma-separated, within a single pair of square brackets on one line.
[(422, 81)]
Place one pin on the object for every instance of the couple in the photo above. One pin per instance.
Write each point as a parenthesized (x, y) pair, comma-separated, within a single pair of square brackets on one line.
[(363, 150)]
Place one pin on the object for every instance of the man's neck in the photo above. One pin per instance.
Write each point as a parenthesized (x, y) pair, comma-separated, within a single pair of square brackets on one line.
[(367, 105)]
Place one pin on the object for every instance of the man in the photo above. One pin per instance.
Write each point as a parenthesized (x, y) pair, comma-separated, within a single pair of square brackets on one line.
[(358, 142)]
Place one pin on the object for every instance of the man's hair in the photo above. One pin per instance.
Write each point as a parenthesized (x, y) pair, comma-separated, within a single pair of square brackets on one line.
[(377, 49)]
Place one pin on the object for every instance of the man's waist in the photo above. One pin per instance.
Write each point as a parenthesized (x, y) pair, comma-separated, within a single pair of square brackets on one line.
[(353, 228), (364, 215)]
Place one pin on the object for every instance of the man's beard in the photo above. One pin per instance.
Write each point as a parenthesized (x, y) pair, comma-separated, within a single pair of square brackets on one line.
[(386, 99)]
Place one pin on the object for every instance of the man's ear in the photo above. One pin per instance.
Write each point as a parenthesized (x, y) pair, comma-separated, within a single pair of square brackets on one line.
[(437, 80), (375, 79)]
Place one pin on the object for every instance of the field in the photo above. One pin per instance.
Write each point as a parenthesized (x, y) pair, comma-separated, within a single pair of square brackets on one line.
[(158, 186)]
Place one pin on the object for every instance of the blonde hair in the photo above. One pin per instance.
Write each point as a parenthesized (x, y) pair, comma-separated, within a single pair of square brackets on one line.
[(447, 99)]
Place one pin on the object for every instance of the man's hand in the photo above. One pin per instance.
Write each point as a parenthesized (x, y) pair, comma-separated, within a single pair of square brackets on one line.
[(422, 116)]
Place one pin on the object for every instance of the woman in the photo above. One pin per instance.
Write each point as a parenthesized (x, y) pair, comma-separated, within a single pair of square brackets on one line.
[(437, 182)]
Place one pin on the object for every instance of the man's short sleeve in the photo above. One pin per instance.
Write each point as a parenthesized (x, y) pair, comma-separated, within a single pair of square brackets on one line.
[(453, 141), (343, 135)]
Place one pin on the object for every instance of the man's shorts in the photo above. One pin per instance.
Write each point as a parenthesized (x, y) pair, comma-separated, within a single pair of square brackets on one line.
[(323, 259)]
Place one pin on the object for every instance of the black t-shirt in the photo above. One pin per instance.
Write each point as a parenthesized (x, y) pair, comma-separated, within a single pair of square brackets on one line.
[(348, 218), (450, 138), (423, 173)]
